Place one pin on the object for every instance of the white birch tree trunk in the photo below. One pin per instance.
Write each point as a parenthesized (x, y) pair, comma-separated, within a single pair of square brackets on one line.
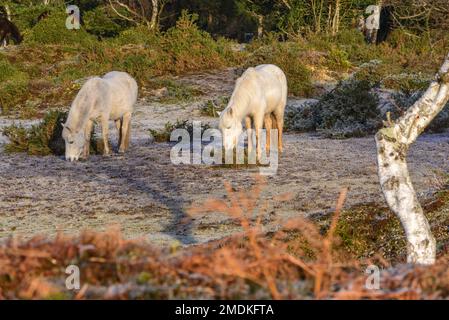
[(154, 14), (260, 26), (393, 143), (336, 18)]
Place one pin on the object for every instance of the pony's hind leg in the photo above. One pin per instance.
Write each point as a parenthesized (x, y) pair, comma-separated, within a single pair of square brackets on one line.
[(128, 136), (126, 132), (279, 116), (87, 134), (118, 125), (105, 133)]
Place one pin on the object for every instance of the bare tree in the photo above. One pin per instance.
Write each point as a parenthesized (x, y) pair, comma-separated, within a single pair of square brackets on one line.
[(421, 15), (317, 10), (393, 143), (139, 11)]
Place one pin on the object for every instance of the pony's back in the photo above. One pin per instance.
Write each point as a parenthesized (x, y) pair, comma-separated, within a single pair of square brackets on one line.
[(122, 85)]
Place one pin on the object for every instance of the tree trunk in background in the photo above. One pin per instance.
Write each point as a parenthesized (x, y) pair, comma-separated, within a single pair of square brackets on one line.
[(393, 143), (154, 14), (317, 10), (336, 18), (8, 16), (210, 20), (8, 12), (375, 32), (260, 26)]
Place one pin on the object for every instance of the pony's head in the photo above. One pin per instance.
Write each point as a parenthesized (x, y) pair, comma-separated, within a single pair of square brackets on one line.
[(231, 128), (74, 143)]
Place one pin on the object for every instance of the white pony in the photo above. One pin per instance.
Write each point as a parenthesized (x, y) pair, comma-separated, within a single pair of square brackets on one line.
[(259, 94), (109, 98)]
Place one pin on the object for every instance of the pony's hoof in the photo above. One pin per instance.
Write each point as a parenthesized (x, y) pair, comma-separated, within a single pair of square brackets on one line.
[(106, 154), (121, 151)]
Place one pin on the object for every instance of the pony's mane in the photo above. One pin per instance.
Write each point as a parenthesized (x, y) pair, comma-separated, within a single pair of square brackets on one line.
[(239, 91), (84, 100)]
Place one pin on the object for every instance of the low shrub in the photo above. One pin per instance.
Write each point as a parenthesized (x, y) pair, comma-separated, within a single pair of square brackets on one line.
[(289, 57), (407, 82), (367, 230), (42, 139), (103, 23), (350, 110), (301, 119), (212, 107), (13, 85), (338, 60), (187, 48), (52, 30), (139, 35), (164, 135)]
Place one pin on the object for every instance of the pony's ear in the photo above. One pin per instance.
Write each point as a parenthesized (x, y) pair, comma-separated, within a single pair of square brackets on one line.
[(231, 112)]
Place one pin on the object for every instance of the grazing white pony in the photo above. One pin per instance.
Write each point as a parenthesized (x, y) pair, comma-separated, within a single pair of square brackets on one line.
[(260, 94), (111, 97)]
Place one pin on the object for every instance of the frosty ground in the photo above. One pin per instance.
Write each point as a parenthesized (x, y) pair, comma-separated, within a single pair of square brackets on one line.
[(148, 196)]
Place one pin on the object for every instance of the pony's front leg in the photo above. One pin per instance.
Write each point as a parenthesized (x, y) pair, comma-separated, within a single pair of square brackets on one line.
[(268, 126), (126, 129), (105, 132), (258, 123), (87, 134), (249, 132)]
